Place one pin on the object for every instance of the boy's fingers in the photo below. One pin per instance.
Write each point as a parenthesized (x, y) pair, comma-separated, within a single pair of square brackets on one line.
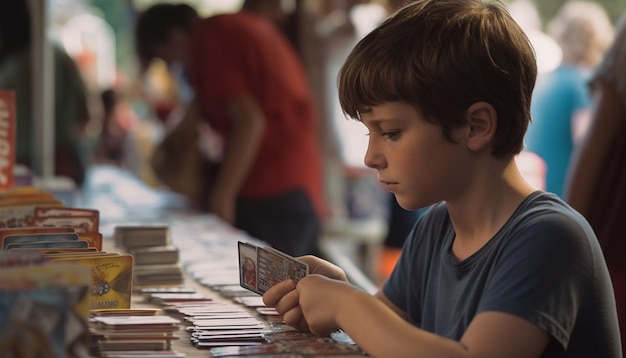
[(288, 302), (294, 318), (277, 292)]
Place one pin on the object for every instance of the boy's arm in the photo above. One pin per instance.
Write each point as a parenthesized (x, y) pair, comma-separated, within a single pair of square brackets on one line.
[(380, 331), (381, 296), (247, 127)]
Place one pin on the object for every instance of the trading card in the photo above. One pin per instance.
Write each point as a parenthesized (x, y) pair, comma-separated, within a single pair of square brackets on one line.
[(132, 322), (210, 345), (209, 308), (218, 332), (167, 297), (48, 252), (227, 322), (230, 317), (267, 311), (199, 319), (43, 211), (47, 245), (257, 337), (19, 238), (126, 312), (66, 254), (248, 266), (31, 230), (274, 268), (82, 224), (250, 301), (262, 267), (94, 239), (111, 280), (20, 214), (223, 326)]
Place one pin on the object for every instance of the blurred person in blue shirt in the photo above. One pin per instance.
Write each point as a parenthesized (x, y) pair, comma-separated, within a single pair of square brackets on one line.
[(561, 100)]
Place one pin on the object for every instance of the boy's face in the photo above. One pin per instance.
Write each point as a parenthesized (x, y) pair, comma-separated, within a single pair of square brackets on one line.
[(413, 159)]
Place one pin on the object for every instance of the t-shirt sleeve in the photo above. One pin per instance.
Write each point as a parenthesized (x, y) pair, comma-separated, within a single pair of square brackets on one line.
[(541, 275)]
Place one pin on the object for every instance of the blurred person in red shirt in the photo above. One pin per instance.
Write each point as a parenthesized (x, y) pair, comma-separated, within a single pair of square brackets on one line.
[(250, 84)]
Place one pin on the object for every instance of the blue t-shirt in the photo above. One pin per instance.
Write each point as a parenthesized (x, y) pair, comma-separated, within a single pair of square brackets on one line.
[(557, 97), (544, 265)]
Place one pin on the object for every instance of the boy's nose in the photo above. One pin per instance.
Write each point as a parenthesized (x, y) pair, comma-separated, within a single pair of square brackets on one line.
[(374, 159)]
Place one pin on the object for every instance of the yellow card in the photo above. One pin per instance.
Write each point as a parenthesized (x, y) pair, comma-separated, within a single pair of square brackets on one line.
[(111, 279)]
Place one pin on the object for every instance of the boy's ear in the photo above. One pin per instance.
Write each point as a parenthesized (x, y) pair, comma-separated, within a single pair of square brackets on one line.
[(482, 122)]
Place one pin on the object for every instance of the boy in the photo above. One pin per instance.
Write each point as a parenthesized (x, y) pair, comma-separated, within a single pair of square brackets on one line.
[(494, 268)]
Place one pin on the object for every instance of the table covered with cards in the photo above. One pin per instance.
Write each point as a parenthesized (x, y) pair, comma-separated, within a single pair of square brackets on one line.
[(127, 274), (217, 303), (215, 297)]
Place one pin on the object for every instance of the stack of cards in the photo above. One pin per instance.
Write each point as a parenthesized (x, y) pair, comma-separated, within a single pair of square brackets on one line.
[(31, 207), (156, 258), (62, 234), (132, 237), (215, 324), (155, 255), (85, 222), (126, 331), (260, 268), (17, 205)]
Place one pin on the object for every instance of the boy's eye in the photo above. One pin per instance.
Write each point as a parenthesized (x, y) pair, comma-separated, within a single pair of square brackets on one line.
[(391, 134)]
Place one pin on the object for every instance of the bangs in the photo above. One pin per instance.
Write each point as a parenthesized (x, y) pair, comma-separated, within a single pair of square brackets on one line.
[(366, 80)]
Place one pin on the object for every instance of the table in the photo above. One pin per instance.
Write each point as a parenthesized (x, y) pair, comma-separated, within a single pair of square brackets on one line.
[(208, 247)]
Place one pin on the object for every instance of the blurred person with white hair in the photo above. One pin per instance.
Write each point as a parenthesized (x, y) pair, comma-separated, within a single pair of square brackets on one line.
[(561, 101)]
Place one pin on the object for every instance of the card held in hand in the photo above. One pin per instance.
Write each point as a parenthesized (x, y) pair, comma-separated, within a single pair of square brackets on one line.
[(260, 267)]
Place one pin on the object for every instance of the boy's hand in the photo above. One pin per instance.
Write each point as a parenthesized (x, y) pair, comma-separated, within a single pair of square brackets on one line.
[(284, 298), (322, 267), (321, 299)]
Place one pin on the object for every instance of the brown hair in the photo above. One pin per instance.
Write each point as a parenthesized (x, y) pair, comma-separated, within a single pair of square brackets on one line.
[(441, 56)]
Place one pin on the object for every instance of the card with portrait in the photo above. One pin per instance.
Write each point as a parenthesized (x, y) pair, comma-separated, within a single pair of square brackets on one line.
[(260, 267)]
